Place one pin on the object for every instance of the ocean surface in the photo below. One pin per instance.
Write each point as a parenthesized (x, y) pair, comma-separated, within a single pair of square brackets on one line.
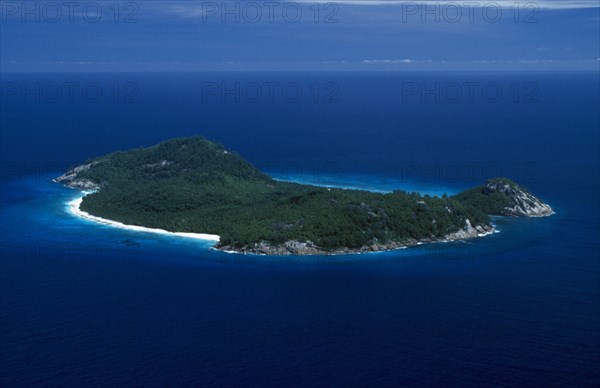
[(85, 304)]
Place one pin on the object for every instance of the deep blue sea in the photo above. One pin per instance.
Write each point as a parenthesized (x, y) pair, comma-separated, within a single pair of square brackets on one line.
[(83, 304)]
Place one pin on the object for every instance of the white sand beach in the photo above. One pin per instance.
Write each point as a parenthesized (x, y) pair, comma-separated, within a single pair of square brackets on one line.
[(74, 208)]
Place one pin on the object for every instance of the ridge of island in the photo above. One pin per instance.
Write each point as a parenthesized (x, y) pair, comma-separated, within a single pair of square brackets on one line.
[(192, 185)]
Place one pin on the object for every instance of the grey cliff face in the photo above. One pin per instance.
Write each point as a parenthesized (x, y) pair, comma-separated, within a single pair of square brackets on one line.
[(70, 179), (469, 231), (524, 204)]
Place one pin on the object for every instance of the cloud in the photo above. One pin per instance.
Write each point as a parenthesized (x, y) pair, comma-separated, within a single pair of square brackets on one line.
[(485, 61), (188, 12), (539, 4), (203, 9), (390, 61)]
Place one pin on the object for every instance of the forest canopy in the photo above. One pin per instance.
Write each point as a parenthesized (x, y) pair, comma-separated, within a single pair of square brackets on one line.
[(197, 186)]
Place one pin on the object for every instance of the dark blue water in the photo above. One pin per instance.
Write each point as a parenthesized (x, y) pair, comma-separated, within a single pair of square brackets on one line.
[(86, 304)]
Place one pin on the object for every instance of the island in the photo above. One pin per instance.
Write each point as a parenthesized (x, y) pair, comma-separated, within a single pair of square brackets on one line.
[(193, 185)]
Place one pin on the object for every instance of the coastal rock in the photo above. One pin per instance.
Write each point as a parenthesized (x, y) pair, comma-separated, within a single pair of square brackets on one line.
[(469, 231), (524, 204), (503, 197), (299, 248), (292, 247), (71, 179)]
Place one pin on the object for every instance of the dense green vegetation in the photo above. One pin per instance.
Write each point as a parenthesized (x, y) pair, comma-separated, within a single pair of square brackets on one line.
[(487, 200), (193, 185)]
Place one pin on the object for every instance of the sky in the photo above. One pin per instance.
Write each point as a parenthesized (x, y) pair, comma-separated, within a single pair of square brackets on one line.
[(362, 35)]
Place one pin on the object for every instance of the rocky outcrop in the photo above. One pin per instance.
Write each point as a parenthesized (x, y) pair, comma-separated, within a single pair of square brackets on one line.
[(523, 203), (71, 179), (470, 231), (288, 248), (309, 248)]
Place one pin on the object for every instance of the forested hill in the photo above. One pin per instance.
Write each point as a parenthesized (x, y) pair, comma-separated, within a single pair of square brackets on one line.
[(194, 159), (194, 185)]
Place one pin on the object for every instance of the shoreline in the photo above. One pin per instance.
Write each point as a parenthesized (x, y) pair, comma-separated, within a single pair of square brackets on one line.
[(296, 248), (74, 208), (276, 213), (75, 204)]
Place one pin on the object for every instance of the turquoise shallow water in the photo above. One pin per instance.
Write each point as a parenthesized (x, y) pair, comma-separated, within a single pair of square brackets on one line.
[(382, 184)]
